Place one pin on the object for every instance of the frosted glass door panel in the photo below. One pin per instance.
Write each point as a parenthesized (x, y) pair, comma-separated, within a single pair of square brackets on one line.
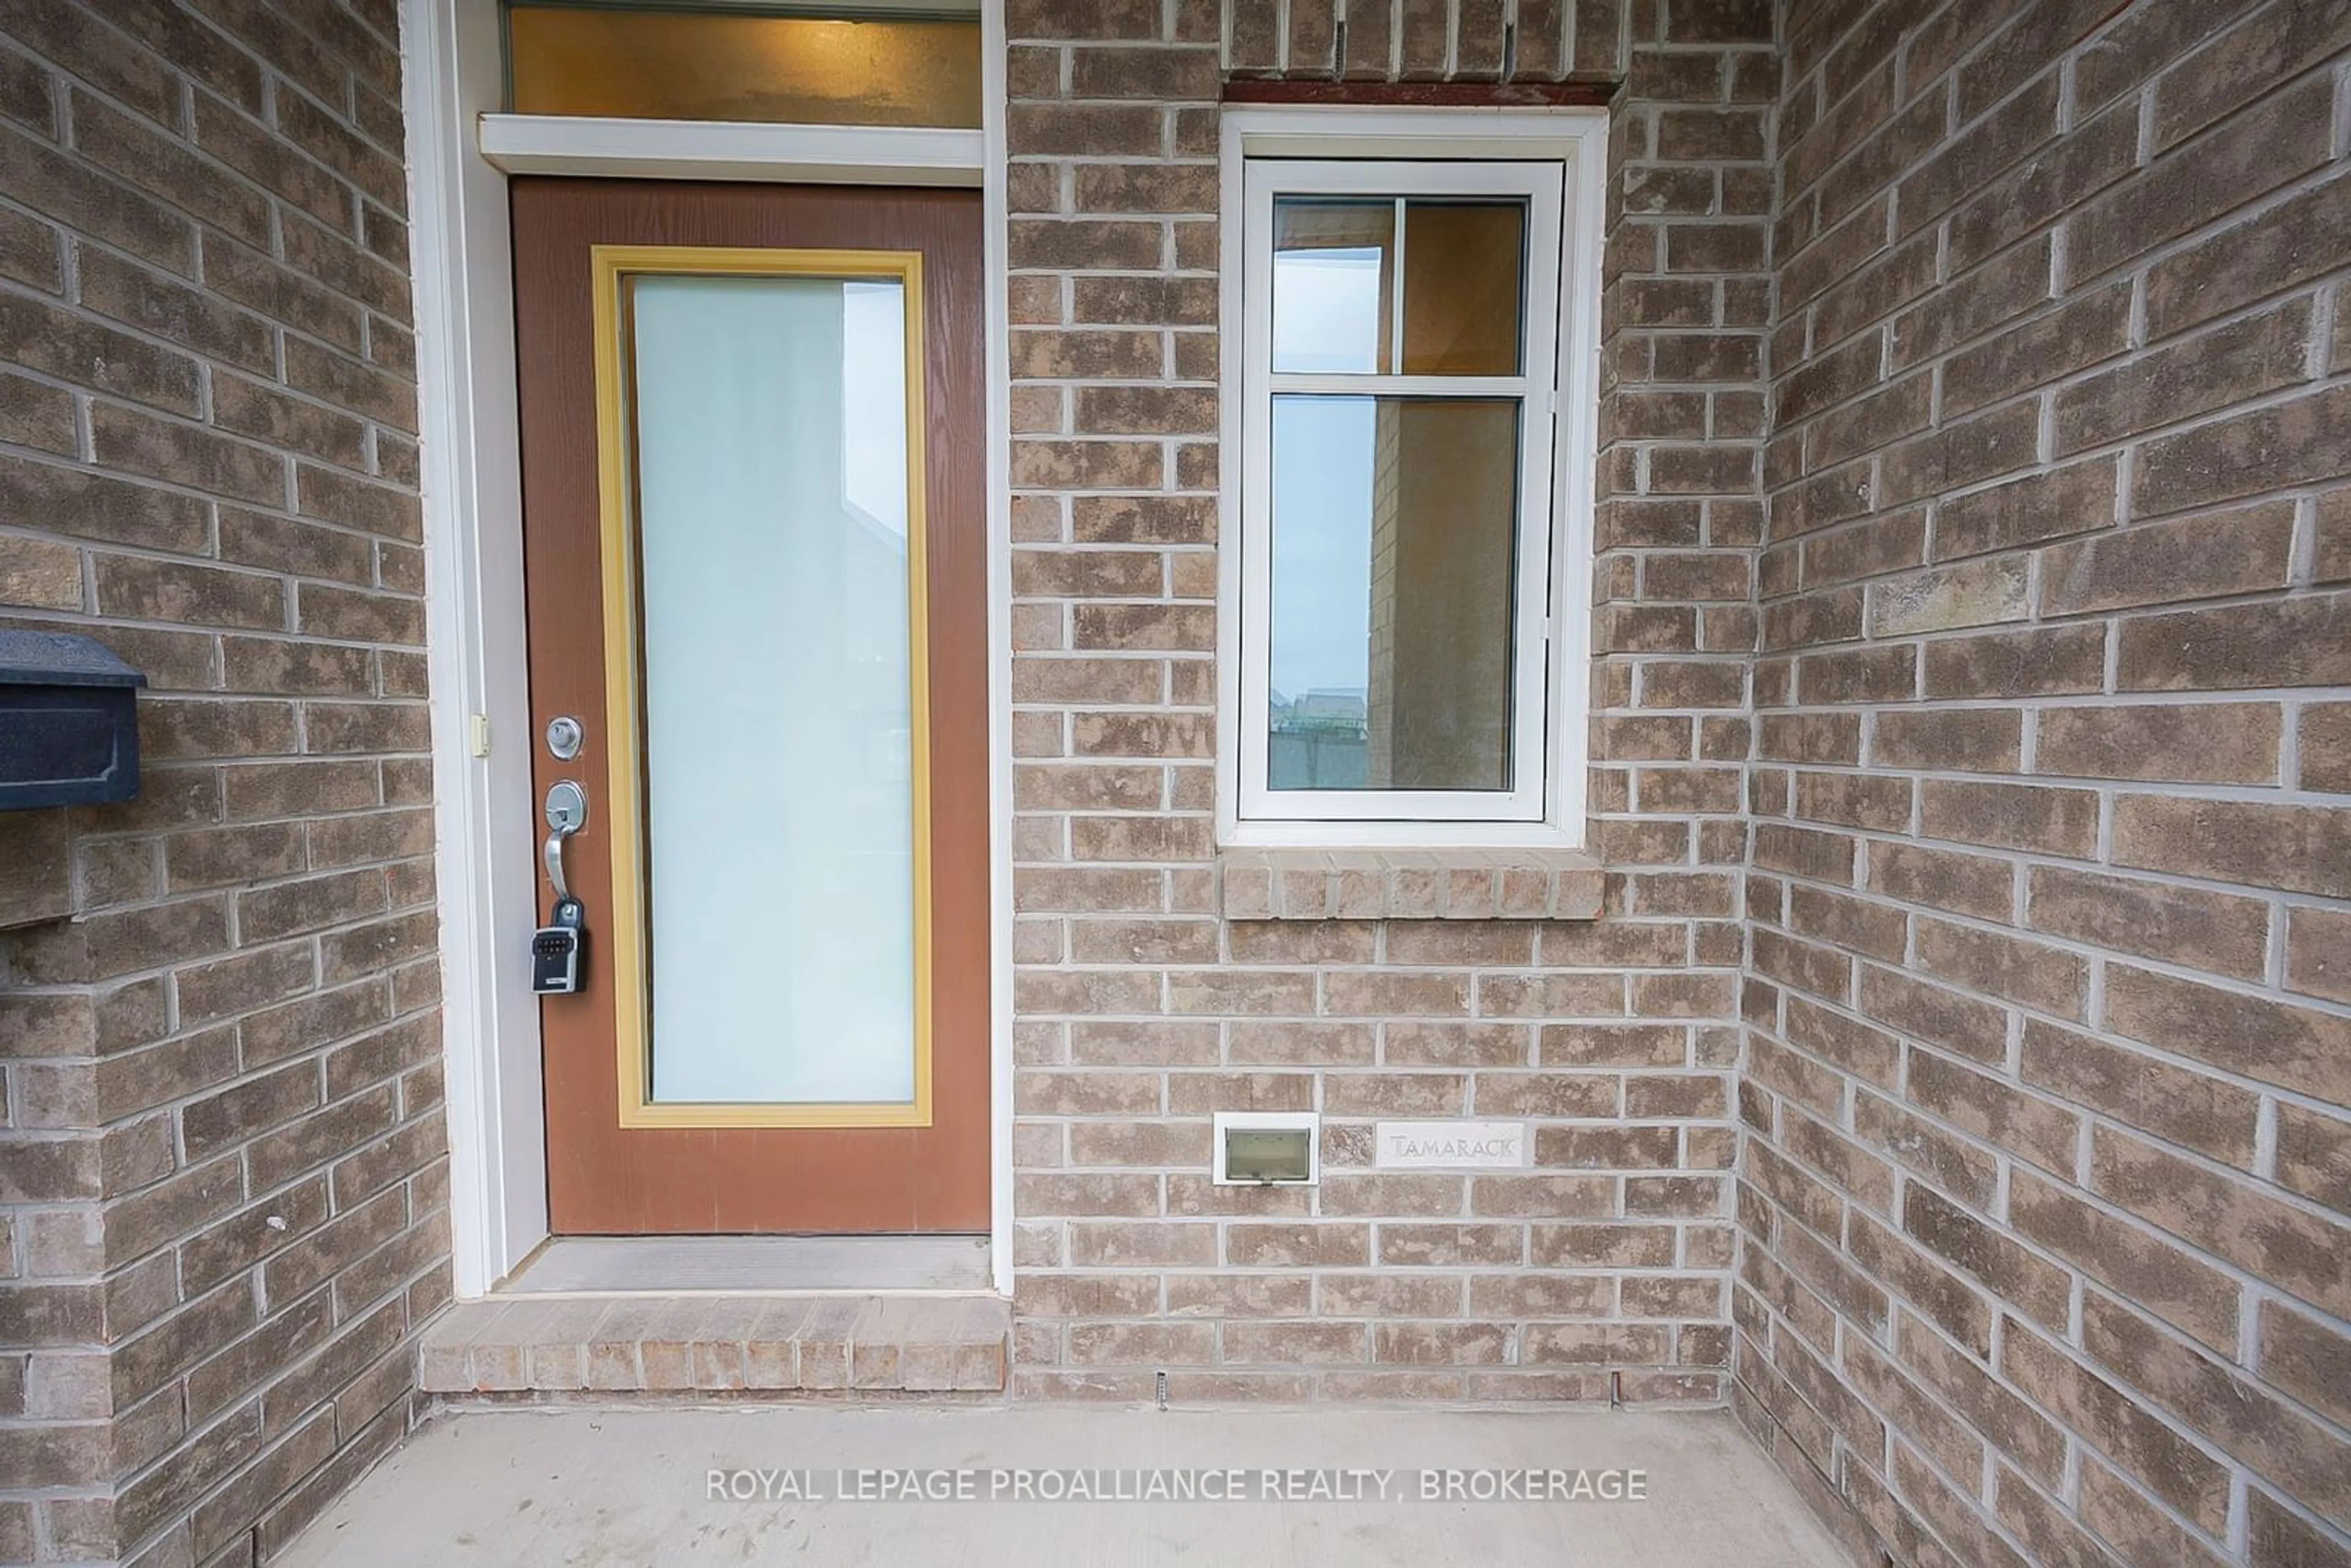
[(770, 466)]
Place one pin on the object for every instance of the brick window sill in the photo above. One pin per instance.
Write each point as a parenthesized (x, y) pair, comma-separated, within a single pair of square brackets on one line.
[(1408, 885)]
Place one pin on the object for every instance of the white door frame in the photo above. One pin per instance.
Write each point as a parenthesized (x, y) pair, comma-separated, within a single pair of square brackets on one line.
[(485, 816)]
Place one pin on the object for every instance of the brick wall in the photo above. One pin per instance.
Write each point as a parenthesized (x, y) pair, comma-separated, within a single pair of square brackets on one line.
[(2045, 1187), (1139, 1011), (222, 1189), (2040, 1053)]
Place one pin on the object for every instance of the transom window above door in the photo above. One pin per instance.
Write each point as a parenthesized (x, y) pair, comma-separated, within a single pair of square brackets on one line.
[(878, 62), (1408, 554)]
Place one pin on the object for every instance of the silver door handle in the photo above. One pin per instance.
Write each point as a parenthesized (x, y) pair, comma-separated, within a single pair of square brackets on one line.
[(566, 813)]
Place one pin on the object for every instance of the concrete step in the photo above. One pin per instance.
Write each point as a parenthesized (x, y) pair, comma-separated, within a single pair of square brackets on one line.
[(774, 1345)]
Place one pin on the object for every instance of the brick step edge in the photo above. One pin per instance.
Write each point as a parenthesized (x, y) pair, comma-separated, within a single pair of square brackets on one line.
[(718, 1345)]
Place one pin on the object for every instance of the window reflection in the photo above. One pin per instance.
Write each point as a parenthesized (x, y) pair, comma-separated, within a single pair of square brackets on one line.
[(679, 63), (873, 402), (1394, 555), (1334, 285)]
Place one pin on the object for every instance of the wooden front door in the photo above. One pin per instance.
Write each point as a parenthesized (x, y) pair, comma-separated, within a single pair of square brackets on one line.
[(754, 544)]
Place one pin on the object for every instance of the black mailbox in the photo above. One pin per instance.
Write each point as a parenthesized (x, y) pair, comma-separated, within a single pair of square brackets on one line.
[(68, 722)]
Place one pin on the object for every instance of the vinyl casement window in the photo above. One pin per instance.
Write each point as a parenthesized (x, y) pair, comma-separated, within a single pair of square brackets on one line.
[(1414, 428)]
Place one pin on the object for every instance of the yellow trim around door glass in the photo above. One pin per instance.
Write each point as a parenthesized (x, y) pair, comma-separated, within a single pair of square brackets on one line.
[(625, 949)]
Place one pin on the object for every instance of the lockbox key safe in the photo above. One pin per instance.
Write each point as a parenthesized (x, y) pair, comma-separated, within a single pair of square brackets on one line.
[(557, 951)]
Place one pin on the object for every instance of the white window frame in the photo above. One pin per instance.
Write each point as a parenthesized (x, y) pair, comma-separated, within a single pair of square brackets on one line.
[(1554, 160)]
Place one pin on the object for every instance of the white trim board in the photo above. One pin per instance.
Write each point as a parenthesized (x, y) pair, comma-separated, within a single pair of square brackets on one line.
[(472, 482), (1576, 137), (452, 82), (713, 150), (1531, 392), (996, 264)]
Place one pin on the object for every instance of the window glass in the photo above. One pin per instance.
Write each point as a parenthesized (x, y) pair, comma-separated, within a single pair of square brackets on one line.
[(714, 65), (1399, 625), (1333, 285), (770, 434), (1395, 525), (1463, 263)]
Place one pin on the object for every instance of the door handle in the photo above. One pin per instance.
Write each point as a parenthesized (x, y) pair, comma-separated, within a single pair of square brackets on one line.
[(566, 813)]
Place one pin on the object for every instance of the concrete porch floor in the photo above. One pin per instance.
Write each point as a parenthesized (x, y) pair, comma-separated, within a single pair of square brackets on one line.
[(591, 1484)]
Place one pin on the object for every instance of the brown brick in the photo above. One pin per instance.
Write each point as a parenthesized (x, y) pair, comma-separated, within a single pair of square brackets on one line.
[(1064, 354), (2127, 55), (1061, 19), (1710, 134), (2079, 333), (2199, 558), (2294, 1047), (2011, 815), (295, 424), (2226, 1216), (1311, 39), (2266, 50), (1428, 994), (2305, 849), (1862, 674), (1175, 628), (2220, 743), (1823, 737), (1986, 740), (1969, 160), (2286, 1448), (56, 341), (2269, 448), (1158, 75), (2141, 1442), (2307, 1360), (2124, 1256), (1977, 593), (1950, 1160), (2248, 261), (2071, 500), (2255, 152), (2214, 370), (2188, 1108), (1939, 879), (1974, 302), (1597, 34), (139, 442), (2018, 664), (2318, 953), (2284, 1538), (1129, 1243), (2225, 934), (1992, 1110), (1891, 515), (1982, 447), (2008, 1423), (2142, 1529), (1139, 188), (1322, 1245), (1103, 244), (2045, 977), (1867, 548), (40, 574), (64, 190), (2324, 734), (1451, 1245)]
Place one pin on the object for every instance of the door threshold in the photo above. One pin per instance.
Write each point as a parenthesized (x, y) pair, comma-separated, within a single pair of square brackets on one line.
[(739, 1264)]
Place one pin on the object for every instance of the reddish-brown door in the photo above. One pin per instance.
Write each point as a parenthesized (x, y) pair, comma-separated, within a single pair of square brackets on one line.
[(754, 557)]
